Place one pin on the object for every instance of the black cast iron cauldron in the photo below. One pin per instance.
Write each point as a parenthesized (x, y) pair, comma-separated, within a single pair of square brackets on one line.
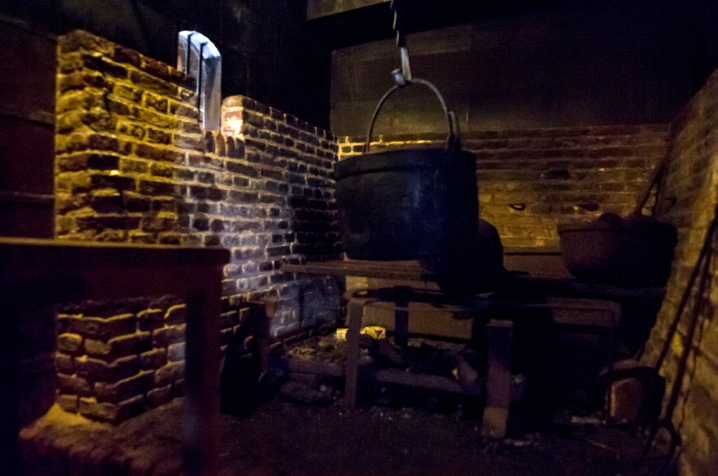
[(410, 203)]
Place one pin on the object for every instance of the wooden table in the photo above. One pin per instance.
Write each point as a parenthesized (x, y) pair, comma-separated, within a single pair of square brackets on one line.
[(573, 299), (34, 272)]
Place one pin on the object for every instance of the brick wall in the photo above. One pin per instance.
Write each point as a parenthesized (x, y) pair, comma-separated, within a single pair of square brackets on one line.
[(530, 180), (688, 198), (132, 165)]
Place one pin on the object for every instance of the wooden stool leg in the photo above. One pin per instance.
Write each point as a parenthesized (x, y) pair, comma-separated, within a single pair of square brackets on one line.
[(356, 309), (499, 337)]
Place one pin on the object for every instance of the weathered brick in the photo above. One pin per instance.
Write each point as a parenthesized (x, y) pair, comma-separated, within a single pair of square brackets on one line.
[(153, 359), (133, 166), (126, 388), (126, 55), (98, 63), (159, 396), (104, 181), (168, 335), (125, 91), (184, 110), (111, 412), (154, 118), (176, 352), (164, 221), (119, 346), (157, 103), (65, 363), (157, 85), (170, 373), (104, 329), (99, 370), (228, 319), (240, 168), (191, 127), (106, 201), (156, 188), (69, 403), (135, 202), (73, 384), (187, 142), (69, 343), (82, 79), (150, 319), (104, 222), (84, 99), (219, 144), (158, 137), (176, 315), (206, 193), (79, 40), (165, 207)]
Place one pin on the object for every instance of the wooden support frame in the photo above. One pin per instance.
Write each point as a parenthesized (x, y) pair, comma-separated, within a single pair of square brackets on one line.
[(34, 271)]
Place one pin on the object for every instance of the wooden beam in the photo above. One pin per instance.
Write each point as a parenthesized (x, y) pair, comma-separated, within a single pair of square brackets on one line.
[(324, 8)]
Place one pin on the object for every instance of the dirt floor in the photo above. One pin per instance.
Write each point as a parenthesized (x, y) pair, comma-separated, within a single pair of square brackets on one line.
[(287, 439), (301, 429)]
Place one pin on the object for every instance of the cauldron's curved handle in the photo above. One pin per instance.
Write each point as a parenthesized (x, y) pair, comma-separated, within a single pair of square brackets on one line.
[(452, 139)]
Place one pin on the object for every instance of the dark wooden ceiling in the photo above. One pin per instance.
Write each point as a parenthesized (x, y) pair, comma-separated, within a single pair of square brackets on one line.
[(353, 26)]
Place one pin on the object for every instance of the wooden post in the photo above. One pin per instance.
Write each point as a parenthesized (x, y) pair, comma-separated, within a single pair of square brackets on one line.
[(356, 310), (499, 337)]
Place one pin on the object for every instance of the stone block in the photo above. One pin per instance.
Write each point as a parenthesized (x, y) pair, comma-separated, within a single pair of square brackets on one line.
[(111, 412), (170, 373), (153, 359), (73, 384), (168, 335), (159, 396), (69, 343), (176, 352), (119, 346), (99, 370), (124, 389)]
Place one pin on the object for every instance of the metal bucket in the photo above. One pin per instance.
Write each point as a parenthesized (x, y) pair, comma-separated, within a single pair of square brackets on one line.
[(410, 203)]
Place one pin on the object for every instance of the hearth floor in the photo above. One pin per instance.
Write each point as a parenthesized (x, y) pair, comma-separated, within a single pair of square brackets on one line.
[(283, 438)]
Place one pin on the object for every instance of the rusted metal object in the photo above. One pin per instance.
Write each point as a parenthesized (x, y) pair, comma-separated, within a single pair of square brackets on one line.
[(629, 252), (635, 251)]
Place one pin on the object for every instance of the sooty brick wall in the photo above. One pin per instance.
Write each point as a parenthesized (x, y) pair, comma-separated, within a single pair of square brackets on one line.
[(530, 180), (688, 199), (133, 165)]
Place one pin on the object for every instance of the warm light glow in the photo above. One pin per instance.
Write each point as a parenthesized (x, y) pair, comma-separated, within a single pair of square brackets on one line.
[(233, 127)]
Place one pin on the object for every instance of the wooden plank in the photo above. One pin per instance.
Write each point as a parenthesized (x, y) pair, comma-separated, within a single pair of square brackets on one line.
[(394, 376), (403, 270), (399, 377), (323, 8)]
